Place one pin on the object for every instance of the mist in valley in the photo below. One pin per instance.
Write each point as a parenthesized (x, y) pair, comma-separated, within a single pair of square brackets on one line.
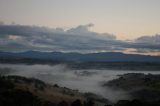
[(89, 80)]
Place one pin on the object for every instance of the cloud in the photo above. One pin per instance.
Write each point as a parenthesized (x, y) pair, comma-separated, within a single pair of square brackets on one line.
[(78, 39), (83, 30), (13, 37), (154, 40), (1, 23), (147, 44)]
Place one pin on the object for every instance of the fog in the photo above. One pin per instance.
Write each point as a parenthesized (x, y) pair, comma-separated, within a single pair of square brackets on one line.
[(89, 80)]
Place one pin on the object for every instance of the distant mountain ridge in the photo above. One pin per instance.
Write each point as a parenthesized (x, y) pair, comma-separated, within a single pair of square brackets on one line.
[(89, 57)]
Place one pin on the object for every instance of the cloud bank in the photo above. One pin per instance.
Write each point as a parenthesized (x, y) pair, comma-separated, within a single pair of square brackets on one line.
[(78, 39)]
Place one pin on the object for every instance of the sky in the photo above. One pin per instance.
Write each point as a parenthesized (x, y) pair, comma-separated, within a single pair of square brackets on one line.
[(127, 19), (130, 26)]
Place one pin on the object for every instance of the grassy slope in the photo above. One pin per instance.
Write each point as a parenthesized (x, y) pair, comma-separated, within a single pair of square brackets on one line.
[(139, 86), (47, 93)]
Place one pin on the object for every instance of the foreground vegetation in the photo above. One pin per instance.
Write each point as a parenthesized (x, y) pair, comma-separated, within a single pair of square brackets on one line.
[(21, 91), (144, 88)]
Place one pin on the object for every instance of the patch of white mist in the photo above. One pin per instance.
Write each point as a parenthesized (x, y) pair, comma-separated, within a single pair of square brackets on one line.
[(82, 80)]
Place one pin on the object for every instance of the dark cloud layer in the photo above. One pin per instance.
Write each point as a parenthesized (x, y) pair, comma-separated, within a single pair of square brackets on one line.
[(78, 39)]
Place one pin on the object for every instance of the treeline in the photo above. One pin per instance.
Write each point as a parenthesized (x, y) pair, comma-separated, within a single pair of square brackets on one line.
[(86, 65)]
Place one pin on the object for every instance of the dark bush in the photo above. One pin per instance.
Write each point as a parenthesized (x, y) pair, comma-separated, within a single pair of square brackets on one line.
[(63, 103), (89, 102), (76, 103)]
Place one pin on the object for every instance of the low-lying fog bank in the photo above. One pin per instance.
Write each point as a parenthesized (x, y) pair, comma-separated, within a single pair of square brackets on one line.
[(82, 80)]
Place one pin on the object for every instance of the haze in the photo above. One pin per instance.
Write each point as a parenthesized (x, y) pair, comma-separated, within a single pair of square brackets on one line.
[(90, 80)]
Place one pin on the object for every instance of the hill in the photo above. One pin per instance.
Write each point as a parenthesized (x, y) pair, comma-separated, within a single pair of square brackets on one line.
[(21, 91), (78, 57)]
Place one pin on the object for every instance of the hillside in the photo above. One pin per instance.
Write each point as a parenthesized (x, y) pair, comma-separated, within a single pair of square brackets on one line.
[(20, 91), (138, 85), (78, 57)]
